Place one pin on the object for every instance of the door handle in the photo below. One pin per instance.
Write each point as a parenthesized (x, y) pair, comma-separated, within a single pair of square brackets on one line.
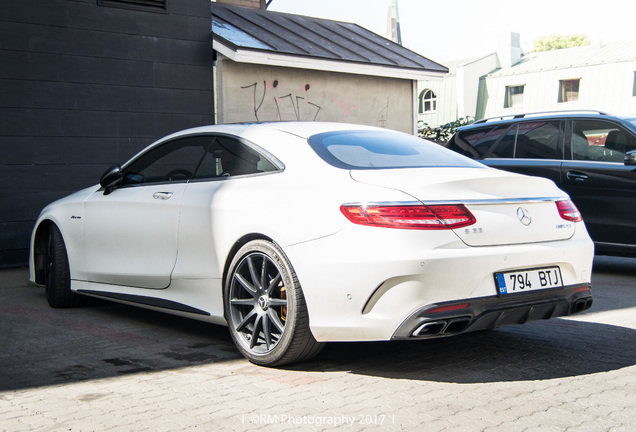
[(162, 195), (572, 175)]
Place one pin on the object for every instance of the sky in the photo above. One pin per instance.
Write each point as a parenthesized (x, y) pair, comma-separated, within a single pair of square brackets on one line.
[(443, 30)]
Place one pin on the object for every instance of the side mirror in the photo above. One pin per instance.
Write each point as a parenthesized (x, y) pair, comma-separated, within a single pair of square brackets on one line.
[(111, 179), (630, 158)]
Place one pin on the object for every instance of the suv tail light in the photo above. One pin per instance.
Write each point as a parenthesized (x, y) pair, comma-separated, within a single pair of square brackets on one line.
[(431, 217), (568, 211)]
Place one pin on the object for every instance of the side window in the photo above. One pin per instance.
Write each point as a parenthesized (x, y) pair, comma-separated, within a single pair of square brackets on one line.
[(538, 140), (226, 157), (173, 161), (198, 157), (506, 147), (484, 142), (598, 140)]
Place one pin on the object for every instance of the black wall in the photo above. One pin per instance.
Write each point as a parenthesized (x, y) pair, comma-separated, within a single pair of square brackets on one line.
[(84, 86)]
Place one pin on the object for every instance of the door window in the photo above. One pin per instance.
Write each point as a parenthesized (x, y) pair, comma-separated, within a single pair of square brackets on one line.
[(174, 161), (596, 140), (226, 157), (198, 157)]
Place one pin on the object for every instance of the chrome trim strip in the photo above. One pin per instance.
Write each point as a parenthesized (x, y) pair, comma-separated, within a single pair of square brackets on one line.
[(499, 201), (469, 202), (383, 203)]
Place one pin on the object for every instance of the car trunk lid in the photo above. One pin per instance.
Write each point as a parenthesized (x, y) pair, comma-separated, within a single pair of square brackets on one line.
[(509, 208)]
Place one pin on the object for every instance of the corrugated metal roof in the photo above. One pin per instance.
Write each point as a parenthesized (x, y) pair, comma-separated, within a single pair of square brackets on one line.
[(568, 58), (301, 36)]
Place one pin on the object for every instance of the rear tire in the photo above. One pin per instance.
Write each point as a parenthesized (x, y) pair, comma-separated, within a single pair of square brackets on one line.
[(57, 272), (265, 308)]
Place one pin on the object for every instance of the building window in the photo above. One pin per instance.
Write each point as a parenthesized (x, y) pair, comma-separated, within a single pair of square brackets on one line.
[(428, 101), (141, 5), (569, 90), (514, 96)]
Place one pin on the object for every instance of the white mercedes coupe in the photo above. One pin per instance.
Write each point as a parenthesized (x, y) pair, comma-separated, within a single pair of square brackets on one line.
[(294, 234)]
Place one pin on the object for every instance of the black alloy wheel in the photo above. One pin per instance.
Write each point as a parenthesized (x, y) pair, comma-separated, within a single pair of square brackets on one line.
[(57, 273), (265, 307)]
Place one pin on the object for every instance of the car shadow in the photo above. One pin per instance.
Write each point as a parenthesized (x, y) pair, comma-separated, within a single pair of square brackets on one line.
[(542, 350), (538, 350), (100, 339), (45, 346)]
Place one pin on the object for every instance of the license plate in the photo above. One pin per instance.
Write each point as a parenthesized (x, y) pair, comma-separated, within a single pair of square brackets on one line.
[(519, 281)]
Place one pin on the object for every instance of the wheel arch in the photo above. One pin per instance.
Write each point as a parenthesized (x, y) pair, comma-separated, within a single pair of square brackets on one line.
[(237, 246), (38, 250)]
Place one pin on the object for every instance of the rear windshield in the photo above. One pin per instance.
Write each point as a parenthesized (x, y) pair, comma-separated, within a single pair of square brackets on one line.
[(380, 150)]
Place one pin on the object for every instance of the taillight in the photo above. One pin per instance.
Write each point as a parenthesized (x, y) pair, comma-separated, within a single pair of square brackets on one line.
[(431, 217), (568, 211)]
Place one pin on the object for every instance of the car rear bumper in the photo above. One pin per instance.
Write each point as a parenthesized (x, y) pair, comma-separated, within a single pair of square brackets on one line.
[(462, 316), (364, 288)]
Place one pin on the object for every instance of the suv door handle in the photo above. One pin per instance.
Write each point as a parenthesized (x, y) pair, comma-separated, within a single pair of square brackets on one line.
[(162, 195), (576, 176)]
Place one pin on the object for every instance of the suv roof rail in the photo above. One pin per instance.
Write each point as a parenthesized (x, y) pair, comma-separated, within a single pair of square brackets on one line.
[(537, 114)]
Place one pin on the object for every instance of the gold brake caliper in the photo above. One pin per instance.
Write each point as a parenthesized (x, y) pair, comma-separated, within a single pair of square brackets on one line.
[(283, 309)]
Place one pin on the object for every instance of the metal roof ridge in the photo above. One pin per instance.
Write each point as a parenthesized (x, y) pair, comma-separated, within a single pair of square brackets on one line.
[(388, 40), (316, 21), (317, 38), (244, 18)]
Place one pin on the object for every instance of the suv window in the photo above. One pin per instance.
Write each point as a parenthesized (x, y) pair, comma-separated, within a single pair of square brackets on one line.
[(529, 140), (538, 140), (480, 143), (600, 141)]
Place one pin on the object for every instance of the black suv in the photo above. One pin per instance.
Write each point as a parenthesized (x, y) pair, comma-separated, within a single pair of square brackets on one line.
[(591, 156)]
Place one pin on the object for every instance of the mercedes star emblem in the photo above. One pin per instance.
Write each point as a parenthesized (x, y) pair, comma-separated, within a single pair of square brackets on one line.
[(524, 216)]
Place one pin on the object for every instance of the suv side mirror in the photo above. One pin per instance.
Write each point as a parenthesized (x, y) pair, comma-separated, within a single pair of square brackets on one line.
[(112, 178), (630, 158)]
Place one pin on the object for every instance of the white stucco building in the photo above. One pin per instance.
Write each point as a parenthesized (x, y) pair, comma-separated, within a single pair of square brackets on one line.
[(593, 77), (272, 66)]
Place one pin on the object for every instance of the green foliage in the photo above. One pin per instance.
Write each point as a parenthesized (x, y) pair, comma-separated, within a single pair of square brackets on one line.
[(555, 42), (441, 134)]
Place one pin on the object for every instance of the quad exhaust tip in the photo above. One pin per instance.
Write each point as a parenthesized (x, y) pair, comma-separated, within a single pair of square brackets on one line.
[(582, 304), (442, 327)]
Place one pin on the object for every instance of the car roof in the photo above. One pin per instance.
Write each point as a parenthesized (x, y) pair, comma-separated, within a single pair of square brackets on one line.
[(303, 129), (514, 118), (254, 131)]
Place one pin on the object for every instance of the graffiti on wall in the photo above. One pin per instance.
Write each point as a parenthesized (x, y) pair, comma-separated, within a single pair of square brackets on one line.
[(383, 115), (344, 108), (271, 102)]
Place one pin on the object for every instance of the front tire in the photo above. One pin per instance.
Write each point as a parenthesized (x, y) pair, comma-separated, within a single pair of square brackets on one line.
[(265, 307), (57, 273)]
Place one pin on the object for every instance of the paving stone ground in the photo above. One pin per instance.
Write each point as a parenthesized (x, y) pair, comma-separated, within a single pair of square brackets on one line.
[(110, 367)]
